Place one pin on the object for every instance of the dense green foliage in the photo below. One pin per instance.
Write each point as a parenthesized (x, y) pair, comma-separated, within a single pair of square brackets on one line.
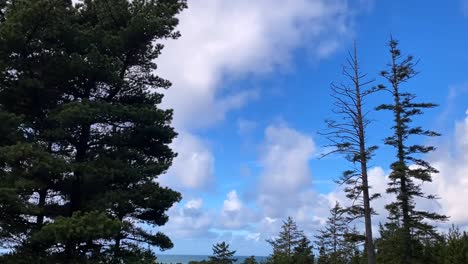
[(449, 248), (222, 254), (303, 252), (82, 139), (250, 260), (291, 245), (337, 242)]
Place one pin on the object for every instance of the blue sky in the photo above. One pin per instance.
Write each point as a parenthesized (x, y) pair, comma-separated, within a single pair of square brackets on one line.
[(251, 91)]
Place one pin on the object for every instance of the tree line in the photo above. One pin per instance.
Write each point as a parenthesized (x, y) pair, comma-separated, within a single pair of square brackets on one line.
[(339, 243)]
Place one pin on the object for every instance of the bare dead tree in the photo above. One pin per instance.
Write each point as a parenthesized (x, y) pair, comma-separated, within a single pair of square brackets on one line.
[(347, 136)]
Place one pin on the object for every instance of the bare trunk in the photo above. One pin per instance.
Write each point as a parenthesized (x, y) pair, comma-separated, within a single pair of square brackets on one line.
[(41, 204), (363, 160)]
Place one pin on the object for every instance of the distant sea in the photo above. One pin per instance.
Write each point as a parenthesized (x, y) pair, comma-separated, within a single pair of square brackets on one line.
[(184, 259)]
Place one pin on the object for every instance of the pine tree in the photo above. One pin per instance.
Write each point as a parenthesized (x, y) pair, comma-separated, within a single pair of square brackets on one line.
[(303, 252), (409, 169), (250, 260), (348, 137), (83, 139), (332, 238), (284, 244), (222, 254), (456, 247), (322, 257)]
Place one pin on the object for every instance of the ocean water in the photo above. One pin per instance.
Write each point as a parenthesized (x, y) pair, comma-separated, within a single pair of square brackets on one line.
[(184, 259)]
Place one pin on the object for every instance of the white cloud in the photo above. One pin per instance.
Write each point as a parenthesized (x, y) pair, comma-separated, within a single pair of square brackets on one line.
[(193, 168), (224, 39), (234, 214), (285, 158), (253, 236), (232, 203), (189, 221), (194, 204), (193, 207), (285, 184), (451, 184)]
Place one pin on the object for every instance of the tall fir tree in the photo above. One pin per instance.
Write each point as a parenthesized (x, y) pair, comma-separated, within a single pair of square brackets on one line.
[(303, 252), (348, 136), (336, 241), (222, 254), (284, 244), (322, 255), (84, 138), (410, 169)]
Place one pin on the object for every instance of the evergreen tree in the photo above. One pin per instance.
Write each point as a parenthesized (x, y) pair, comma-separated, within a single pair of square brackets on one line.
[(222, 254), (250, 260), (348, 137), (389, 246), (82, 136), (284, 244), (337, 243), (303, 252), (323, 257), (409, 169), (456, 247), (331, 239)]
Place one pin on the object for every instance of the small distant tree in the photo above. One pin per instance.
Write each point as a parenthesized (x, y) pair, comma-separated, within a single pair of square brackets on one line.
[(284, 244), (303, 252), (322, 257), (336, 241), (222, 254), (250, 260), (456, 249)]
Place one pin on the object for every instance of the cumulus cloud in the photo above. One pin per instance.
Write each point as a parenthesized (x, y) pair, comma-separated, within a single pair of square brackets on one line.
[(193, 207), (193, 168), (285, 184), (234, 214), (224, 39), (286, 153), (233, 203), (451, 184), (189, 221)]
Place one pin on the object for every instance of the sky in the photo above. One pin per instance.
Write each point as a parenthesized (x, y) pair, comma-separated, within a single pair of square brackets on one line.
[(251, 90)]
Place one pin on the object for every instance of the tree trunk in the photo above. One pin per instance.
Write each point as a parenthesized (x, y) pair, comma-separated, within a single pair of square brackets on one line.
[(363, 160)]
